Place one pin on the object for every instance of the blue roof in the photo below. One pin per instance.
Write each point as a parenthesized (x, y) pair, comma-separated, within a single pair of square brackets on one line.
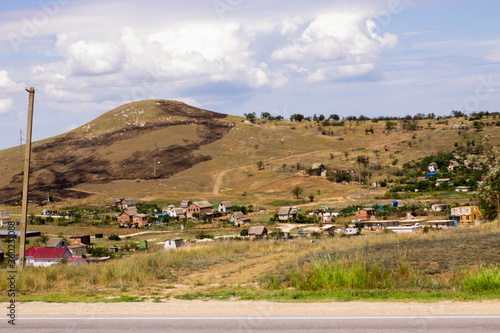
[(432, 173)]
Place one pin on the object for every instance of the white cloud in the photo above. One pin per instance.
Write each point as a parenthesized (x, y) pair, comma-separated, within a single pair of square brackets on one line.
[(5, 81), (346, 38), (94, 58), (6, 105)]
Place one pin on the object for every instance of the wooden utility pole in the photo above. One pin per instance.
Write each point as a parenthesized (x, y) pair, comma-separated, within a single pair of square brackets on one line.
[(21, 144), (498, 211), (26, 179)]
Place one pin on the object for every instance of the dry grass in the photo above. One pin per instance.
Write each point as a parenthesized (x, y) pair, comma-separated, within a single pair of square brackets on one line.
[(232, 265)]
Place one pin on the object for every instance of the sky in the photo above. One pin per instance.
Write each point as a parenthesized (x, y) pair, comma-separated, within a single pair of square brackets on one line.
[(356, 57)]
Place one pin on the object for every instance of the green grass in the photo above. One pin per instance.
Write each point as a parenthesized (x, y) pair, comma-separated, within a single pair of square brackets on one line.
[(485, 280)]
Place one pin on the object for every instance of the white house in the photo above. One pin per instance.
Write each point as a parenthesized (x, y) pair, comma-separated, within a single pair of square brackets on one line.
[(433, 167), (177, 212), (225, 207), (43, 256)]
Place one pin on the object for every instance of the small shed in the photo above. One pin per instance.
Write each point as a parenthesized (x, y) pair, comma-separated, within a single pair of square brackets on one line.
[(257, 232), (83, 239), (174, 243)]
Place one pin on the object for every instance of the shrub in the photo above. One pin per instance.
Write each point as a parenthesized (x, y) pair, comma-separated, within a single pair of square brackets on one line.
[(203, 236), (114, 238)]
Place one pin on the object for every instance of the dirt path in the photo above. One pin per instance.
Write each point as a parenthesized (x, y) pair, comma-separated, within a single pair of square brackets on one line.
[(175, 307)]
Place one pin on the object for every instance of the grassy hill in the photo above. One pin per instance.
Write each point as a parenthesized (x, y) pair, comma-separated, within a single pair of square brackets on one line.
[(206, 155)]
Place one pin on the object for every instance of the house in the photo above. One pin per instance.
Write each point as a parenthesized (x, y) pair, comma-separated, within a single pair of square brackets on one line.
[(433, 167), (78, 250), (443, 180), (76, 240), (320, 167), (43, 256), (200, 207), (4, 218), (439, 207), (453, 164), (257, 232), (185, 203), (177, 212), (286, 213), (462, 189), (225, 207), (466, 214), (124, 203), (380, 224), (174, 243), (238, 218), (127, 216), (56, 242), (365, 214), (140, 220)]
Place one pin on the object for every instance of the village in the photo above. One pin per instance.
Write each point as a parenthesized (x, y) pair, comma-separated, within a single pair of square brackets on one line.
[(193, 222)]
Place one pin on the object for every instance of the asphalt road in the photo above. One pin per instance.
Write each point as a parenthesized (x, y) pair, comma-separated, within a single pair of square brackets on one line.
[(441, 324)]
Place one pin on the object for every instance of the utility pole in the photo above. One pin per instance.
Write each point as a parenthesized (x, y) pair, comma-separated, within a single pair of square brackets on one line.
[(21, 144), (26, 178)]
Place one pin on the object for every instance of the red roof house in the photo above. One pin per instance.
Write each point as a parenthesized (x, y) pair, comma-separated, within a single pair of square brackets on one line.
[(45, 256)]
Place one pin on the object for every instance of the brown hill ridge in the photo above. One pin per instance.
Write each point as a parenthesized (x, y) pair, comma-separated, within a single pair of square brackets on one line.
[(120, 145)]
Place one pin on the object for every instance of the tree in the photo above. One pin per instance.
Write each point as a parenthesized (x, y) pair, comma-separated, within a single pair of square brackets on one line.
[(389, 125), (297, 191), (311, 197), (334, 117), (458, 114), (260, 165), (488, 191), (297, 117), (250, 116), (265, 115)]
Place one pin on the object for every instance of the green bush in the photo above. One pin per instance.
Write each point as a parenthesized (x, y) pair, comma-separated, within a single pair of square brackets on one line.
[(114, 238)]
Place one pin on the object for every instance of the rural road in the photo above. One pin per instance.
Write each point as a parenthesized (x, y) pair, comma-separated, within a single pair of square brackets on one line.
[(288, 324)]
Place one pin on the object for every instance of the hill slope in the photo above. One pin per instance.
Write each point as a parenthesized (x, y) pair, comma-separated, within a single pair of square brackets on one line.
[(119, 145)]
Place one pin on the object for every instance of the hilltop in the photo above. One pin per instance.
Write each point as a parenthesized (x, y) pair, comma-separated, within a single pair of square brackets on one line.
[(202, 154)]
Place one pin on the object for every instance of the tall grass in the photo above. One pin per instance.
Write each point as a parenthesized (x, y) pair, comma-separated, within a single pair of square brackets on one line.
[(484, 279), (136, 271), (331, 273)]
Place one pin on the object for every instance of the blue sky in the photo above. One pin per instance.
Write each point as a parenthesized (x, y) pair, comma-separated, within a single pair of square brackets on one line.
[(357, 57)]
